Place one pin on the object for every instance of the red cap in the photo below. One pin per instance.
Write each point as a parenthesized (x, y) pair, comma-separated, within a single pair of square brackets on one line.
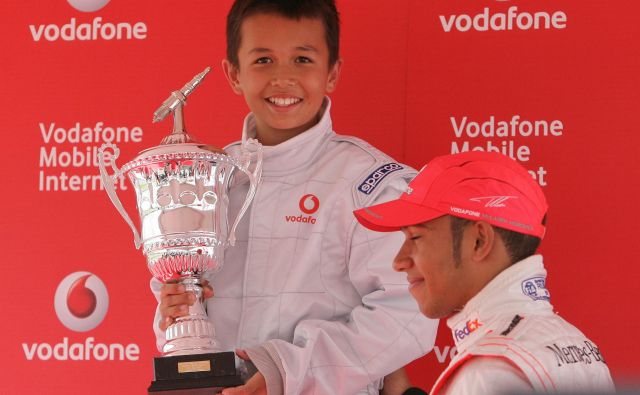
[(474, 185)]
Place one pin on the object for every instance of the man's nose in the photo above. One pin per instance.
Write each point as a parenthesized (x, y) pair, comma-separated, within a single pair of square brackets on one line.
[(403, 260)]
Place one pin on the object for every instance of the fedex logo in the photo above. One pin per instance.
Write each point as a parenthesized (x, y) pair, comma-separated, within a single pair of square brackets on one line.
[(468, 328)]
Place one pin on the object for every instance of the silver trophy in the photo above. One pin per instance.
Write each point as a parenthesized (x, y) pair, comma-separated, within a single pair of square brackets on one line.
[(182, 195)]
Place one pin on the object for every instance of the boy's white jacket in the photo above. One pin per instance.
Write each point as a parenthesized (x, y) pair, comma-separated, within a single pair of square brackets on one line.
[(305, 280)]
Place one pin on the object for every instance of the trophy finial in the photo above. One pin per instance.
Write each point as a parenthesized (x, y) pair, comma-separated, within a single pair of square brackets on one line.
[(174, 104)]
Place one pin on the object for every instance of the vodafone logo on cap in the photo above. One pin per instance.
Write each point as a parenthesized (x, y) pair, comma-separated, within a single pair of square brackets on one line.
[(309, 204), (88, 5), (81, 301)]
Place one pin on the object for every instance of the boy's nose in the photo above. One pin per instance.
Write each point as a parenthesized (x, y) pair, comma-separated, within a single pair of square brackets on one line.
[(282, 81)]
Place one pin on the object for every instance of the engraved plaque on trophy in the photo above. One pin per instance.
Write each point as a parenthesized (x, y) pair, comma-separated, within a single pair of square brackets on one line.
[(182, 196)]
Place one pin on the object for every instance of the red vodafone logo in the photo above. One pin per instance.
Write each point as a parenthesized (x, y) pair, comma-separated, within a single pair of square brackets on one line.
[(81, 301), (309, 204), (88, 5)]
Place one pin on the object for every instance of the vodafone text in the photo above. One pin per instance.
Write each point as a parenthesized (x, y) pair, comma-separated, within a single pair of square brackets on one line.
[(77, 147), (309, 219), (96, 30), (501, 136), (464, 211), (89, 350), (501, 21)]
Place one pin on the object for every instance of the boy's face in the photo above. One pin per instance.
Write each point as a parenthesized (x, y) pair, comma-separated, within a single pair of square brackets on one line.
[(283, 74)]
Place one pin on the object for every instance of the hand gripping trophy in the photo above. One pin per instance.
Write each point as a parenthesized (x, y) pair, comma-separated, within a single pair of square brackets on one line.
[(182, 195)]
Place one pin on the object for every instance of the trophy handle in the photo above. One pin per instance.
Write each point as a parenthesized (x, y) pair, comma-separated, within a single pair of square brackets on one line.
[(109, 186), (249, 146)]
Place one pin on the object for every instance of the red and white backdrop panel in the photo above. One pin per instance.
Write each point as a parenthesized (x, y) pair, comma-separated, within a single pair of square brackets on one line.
[(554, 84)]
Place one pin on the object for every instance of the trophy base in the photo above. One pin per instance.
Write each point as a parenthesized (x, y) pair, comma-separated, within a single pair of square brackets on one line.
[(195, 374)]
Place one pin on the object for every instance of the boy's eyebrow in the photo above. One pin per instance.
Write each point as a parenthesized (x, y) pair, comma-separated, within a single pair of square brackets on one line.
[(259, 50), (307, 48)]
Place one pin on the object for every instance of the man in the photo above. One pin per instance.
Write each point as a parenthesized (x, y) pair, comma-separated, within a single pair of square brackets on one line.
[(472, 223)]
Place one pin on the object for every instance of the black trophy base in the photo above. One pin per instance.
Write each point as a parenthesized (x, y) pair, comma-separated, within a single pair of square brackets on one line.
[(196, 374)]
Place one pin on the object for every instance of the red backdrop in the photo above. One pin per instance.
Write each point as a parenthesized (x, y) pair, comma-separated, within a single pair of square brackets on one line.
[(420, 78)]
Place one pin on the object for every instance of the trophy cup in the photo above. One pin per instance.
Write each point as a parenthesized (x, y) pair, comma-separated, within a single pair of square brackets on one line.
[(182, 195)]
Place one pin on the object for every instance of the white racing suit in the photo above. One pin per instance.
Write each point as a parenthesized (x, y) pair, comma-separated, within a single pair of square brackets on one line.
[(306, 290), (510, 341)]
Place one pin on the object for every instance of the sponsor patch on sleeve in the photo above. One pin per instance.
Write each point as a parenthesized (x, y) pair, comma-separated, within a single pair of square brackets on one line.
[(536, 288), (372, 181)]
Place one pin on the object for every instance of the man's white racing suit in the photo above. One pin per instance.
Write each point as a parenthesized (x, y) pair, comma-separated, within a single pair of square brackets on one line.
[(306, 290), (509, 340)]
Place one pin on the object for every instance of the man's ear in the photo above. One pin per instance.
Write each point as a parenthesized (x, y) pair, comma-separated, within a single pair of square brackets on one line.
[(484, 238), (334, 76), (231, 72)]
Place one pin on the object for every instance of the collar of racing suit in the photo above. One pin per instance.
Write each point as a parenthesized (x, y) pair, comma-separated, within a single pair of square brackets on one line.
[(297, 152), (518, 290)]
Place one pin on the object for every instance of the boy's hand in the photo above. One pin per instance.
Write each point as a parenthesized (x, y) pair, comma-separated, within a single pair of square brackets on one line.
[(256, 385), (175, 301)]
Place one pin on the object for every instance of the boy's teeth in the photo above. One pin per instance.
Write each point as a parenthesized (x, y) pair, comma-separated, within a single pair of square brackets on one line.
[(279, 101)]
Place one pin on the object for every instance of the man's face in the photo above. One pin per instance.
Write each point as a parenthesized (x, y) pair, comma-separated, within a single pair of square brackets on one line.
[(283, 74), (435, 280)]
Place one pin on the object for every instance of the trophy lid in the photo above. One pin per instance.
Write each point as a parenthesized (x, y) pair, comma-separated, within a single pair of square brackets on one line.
[(178, 144)]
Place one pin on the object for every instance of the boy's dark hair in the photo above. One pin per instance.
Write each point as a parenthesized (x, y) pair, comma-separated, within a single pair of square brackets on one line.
[(518, 245), (325, 10)]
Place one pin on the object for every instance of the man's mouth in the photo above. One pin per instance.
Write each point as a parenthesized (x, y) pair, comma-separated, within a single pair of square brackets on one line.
[(414, 281), (284, 101)]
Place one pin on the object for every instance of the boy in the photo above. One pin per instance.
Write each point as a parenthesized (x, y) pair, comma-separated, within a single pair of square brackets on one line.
[(306, 294), (472, 223)]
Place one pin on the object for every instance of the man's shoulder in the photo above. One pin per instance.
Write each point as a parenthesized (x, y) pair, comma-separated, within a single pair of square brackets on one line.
[(541, 337), (531, 327), (551, 352)]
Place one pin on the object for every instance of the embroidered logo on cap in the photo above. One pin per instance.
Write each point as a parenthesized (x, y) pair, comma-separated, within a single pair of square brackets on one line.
[(493, 201)]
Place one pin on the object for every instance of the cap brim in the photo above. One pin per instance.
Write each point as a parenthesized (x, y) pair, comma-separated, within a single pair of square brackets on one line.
[(394, 215)]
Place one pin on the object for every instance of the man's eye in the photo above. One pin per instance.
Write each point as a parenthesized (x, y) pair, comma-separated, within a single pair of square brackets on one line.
[(303, 59), (263, 60), (415, 237)]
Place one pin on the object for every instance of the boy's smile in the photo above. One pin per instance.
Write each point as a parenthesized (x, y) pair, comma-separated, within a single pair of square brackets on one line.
[(283, 74)]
